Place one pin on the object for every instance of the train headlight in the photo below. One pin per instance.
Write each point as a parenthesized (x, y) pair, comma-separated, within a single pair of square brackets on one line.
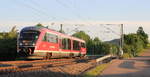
[(20, 44), (33, 44), (18, 51)]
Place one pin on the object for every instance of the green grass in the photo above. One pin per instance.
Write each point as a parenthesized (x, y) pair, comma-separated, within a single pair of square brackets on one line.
[(148, 45), (96, 71), (126, 56)]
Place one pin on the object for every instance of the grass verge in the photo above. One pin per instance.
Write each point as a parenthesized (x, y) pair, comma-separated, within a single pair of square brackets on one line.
[(126, 56), (95, 71)]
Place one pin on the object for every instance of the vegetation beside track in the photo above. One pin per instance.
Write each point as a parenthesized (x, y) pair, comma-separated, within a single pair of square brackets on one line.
[(95, 46), (8, 42), (134, 43), (95, 71)]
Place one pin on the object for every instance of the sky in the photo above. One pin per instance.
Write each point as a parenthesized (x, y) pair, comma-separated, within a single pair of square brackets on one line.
[(131, 13)]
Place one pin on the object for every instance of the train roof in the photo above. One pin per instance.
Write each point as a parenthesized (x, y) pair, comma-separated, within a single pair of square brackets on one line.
[(51, 30)]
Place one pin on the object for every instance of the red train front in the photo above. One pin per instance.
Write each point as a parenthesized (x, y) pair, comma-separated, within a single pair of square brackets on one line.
[(40, 42)]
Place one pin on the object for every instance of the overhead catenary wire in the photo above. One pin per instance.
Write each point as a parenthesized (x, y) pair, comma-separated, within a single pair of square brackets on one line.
[(79, 16), (39, 12), (34, 16), (109, 29), (45, 9), (43, 13)]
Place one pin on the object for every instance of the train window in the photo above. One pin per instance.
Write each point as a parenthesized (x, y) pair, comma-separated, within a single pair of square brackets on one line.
[(45, 37), (83, 45), (76, 45), (66, 43), (50, 38), (29, 35), (69, 44)]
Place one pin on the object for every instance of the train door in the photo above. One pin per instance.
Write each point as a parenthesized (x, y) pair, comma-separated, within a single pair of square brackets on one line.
[(83, 48), (76, 48), (65, 47), (80, 51)]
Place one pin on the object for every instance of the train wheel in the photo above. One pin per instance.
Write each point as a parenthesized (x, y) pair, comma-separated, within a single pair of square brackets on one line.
[(48, 56), (45, 57), (71, 55), (82, 56)]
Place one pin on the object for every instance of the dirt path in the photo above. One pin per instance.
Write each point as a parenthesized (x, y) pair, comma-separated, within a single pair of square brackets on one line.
[(135, 67)]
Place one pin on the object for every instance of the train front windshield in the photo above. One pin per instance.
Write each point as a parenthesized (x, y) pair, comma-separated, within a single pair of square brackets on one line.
[(28, 37)]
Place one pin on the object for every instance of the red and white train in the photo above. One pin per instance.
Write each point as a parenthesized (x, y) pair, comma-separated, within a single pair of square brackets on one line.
[(41, 42)]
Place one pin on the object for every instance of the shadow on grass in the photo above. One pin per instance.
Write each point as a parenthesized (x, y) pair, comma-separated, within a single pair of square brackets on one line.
[(126, 63)]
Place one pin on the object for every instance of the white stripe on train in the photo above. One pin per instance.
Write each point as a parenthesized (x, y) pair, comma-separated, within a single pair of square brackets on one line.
[(56, 51)]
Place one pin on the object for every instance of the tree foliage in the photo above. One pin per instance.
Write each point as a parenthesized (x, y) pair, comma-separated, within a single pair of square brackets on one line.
[(39, 25), (96, 46), (8, 42), (135, 42), (143, 36), (82, 35)]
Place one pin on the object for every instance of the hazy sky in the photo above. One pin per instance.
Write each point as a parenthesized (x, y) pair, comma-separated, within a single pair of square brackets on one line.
[(132, 13), (101, 10)]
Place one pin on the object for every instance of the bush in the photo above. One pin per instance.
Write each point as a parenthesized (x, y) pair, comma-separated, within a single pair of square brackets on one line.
[(8, 42), (127, 55), (134, 43)]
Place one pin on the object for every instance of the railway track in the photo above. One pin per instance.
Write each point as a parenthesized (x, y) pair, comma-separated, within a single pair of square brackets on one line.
[(19, 66), (8, 67)]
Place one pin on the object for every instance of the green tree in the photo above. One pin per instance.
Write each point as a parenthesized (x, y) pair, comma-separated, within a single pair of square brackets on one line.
[(13, 33), (133, 44), (96, 39), (143, 36), (8, 44), (39, 25), (96, 46), (89, 41), (82, 35)]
